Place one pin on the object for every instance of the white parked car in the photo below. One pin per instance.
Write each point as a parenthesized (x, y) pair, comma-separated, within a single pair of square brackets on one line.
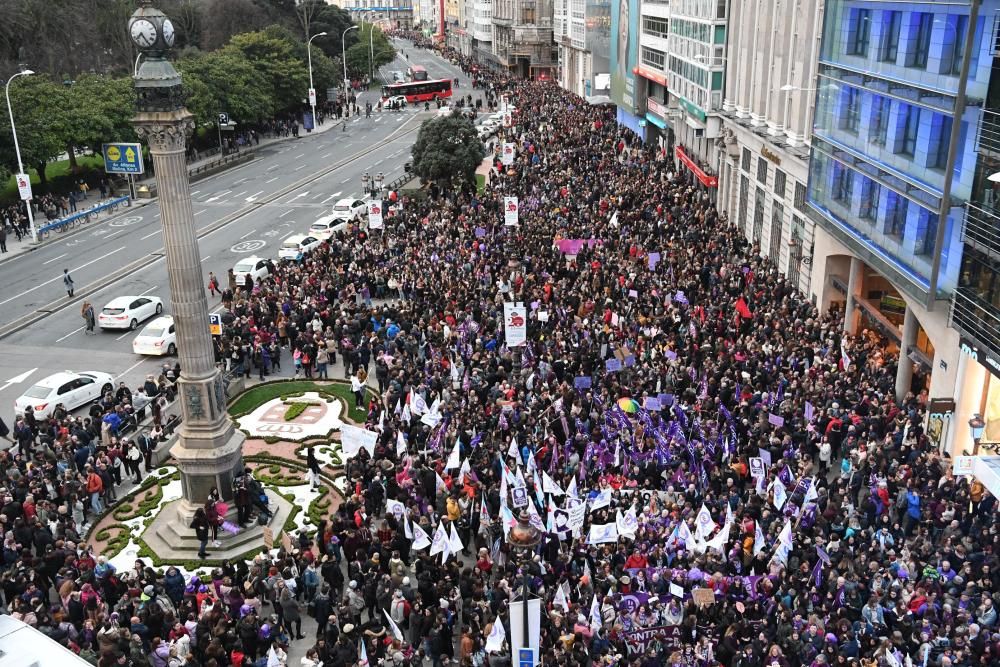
[(69, 388), (296, 247), (125, 312), (349, 209), (158, 338), (326, 227), (255, 266)]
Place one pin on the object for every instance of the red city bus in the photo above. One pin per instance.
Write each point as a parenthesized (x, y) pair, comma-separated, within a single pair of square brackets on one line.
[(419, 91), (417, 73)]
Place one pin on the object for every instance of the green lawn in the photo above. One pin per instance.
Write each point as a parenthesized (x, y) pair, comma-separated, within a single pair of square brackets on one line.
[(480, 183), (54, 172), (262, 393)]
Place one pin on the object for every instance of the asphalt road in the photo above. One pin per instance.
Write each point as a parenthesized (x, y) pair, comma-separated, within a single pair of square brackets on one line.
[(246, 210)]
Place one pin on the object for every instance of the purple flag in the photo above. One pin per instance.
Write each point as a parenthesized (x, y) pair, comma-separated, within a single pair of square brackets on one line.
[(810, 411), (818, 573)]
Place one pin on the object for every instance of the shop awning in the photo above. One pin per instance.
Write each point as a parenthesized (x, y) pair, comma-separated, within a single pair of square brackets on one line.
[(707, 180), (987, 470)]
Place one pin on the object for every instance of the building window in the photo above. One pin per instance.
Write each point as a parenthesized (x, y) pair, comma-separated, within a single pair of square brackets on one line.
[(777, 214), (744, 196), (921, 24), (941, 128), (745, 162), (961, 24), (926, 232), (869, 199), (779, 183), (911, 125), (800, 196), (891, 22), (653, 58), (653, 25), (879, 120), (860, 32), (762, 170), (795, 252), (895, 221), (758, 216), (851, 118), (843, 182)]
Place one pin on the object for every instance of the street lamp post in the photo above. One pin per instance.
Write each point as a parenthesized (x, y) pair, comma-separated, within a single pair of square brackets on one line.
[(343, 56), (17, 150), (976, 426), (524, 538), (312, 90)]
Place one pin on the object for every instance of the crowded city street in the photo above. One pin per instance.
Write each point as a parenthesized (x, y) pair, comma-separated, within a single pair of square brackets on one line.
[(608, 403)]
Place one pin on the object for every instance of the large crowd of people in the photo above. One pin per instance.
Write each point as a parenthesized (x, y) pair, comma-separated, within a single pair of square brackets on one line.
[(714, 472)]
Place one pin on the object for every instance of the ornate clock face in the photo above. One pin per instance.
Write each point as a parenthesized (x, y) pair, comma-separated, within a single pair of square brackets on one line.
[(168, 32), (143, 33)]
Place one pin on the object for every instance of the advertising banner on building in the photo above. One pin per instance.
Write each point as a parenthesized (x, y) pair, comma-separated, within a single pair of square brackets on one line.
[(624, 50), (375, 214), (510, 210), (515, 324)]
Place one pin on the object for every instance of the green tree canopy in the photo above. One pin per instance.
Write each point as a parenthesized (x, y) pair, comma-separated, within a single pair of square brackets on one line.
[(42, 115), (287, 76), (225, 80), (359, 55), (100, 109), (447, 150)]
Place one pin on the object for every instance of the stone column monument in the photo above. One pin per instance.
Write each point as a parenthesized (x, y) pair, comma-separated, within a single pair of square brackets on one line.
[(209, 449)]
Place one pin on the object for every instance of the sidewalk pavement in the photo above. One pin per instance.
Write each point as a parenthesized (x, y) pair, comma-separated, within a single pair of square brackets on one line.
[(15, 247)]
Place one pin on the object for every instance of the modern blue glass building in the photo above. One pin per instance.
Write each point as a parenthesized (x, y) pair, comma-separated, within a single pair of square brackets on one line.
[(888, 88)]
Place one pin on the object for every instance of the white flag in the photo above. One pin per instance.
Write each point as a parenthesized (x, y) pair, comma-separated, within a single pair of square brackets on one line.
[(560, 599), (571, 489), (549, 485), (627, 523), (719, 541), (614, 219), (513, 452), (684, 533), (810, 492), (407, 531), (704, 524), (780, 494), (455, 460), (394, 507), (729, 513), (440, 542), (601, 533), (419, 405), (510, 207), (362, 654), (759, 543), (400, 444), (484, 518), (420, 539), (494, 643), (784, 543), (406, 413), (396, 632), (595, 615), (440, 484), (465, 469), (353, 439), (603, 499), (455, 542)]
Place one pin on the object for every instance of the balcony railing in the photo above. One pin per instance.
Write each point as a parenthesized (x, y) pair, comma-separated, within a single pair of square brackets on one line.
[(989, 133), (982, 229), (978, 318)]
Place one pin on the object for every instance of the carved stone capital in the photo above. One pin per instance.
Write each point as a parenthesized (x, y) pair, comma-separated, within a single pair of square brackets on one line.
[(165, 132)]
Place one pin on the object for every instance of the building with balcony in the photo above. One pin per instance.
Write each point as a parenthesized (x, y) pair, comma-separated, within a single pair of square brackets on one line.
[(398, 13), (522, 37), (767, 114), (696, 70), (975, 310), (582, 33), (901, 88), (651, 73)]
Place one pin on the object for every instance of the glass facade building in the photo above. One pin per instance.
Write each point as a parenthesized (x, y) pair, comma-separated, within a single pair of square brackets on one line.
[(887, 90)]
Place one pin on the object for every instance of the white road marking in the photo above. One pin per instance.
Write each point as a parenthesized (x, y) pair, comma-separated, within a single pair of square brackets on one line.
[(380, 161), (301, 166), (71, 272), (286, 213), (240, 194), (254, 196), (59, 340), (201, 211), (206, 258), (119, 231), (151, 289), (195, 192), (318, 195), (286, 235), (298, 156), (55, 258), (125, 334), (156, 216), (130, 368), (247, 234), (271, 180), (345, 181), (149, 236), (323, 157), (226, 192)]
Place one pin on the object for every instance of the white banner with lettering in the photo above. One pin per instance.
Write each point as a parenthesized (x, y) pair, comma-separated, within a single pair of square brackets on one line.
[(507, 153), (375, 214), (510, 210), (515, 324)]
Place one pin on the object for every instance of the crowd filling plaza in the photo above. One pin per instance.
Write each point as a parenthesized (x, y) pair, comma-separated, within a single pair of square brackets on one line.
[(718, 475)]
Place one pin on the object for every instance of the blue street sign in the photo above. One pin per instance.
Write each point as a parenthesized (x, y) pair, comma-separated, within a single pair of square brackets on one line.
[(526, 657), (123, 159)]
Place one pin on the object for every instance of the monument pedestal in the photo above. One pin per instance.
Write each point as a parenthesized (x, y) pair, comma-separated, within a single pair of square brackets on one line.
[(170, 535)]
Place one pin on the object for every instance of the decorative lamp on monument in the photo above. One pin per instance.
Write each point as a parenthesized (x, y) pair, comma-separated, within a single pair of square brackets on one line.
[(524, 538), (209, 450), (976, 426)]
